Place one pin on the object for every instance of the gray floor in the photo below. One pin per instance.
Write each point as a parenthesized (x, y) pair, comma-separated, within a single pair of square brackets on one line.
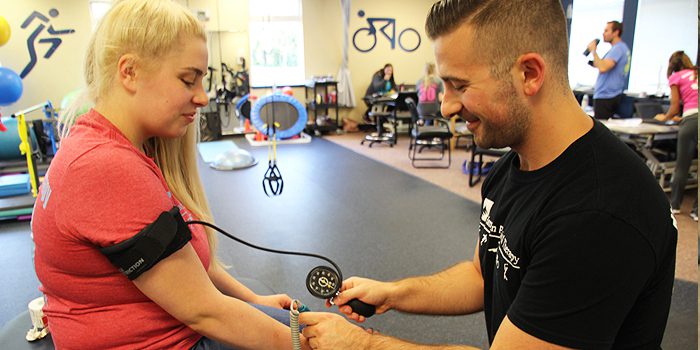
[(369, 218)]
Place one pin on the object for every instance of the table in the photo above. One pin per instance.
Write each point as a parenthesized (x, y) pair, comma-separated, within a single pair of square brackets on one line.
[(387, 107), (642, 137)]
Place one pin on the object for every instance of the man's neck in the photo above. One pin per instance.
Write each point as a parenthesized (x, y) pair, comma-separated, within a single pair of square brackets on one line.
[(615, 40), (556, 124)]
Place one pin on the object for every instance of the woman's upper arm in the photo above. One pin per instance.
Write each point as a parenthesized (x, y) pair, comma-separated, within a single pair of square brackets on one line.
[(180, 285), (675, 97), (108, 196)]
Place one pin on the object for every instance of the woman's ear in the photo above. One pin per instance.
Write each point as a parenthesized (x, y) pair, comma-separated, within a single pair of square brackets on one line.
[(126, 71), (532, 69)]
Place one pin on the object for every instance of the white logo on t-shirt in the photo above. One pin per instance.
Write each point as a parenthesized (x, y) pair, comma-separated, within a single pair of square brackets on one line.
[(492, 231), (45, 191)]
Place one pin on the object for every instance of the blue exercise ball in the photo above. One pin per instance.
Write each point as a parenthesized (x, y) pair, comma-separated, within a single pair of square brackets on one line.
[(10, 86)]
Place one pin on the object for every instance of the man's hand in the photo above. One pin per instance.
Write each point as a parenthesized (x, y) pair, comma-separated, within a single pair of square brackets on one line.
[(330, 331), (592, 46), (278, 301), (369, 291)]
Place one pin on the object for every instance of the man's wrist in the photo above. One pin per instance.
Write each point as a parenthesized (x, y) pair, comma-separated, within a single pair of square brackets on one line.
[(393, 293)]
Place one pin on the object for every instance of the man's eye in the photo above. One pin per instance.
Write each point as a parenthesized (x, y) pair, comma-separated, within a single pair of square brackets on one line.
[(460, 87), (187, 82)]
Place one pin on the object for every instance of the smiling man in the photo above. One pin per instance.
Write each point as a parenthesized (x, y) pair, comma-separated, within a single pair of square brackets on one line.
[(576, 244)]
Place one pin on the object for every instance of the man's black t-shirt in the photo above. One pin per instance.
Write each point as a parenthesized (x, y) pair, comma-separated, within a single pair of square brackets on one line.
[(580, 253)]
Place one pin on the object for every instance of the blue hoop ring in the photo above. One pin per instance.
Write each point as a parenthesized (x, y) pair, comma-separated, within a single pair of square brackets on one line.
[(243, 100), (294, 130)]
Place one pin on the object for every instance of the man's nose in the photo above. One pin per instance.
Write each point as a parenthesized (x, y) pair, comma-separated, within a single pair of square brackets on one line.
[(450, 105)]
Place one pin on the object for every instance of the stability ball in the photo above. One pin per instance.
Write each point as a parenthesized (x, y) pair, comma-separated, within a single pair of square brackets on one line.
[(10, 86), (4, 31)]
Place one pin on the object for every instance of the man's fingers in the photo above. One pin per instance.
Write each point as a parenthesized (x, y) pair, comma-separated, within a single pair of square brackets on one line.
[(345, 296), (310, 318), (347, 284), (309, 332)]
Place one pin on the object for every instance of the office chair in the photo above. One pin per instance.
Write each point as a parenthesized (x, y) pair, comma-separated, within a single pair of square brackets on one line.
[(436, 135), (380, 114)]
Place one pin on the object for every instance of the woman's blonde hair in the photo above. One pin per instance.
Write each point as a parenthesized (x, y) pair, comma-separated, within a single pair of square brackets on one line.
[(150, 29), (429, 74)]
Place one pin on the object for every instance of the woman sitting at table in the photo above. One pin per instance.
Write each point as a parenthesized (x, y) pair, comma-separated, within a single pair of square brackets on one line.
[(382, 82)]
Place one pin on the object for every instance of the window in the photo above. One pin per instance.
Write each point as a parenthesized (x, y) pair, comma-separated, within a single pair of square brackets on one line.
[(276, 43), (589, 19), (663, 27), (98, 8)]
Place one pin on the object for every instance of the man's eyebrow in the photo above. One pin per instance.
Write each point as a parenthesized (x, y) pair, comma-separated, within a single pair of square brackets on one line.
[(454, 79)]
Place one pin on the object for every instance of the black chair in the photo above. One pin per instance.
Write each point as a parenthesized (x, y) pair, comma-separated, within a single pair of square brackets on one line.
[(475, 167), (459, 129), (402, 111), (647, 110), (437, 135)]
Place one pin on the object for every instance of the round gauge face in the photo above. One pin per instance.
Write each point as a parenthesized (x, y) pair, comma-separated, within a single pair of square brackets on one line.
[(322, 282)]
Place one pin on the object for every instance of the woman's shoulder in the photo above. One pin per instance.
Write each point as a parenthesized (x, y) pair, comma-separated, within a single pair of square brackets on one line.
[(104, 160), (684, 74)]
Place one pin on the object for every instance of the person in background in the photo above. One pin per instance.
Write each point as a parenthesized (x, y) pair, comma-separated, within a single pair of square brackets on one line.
[(430, 90), (563, 258), (121, 166), (683, 80), (613, 71), (382, 82)]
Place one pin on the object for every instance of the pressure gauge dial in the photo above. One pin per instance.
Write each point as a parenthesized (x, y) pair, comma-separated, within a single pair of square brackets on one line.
[(323, 282)]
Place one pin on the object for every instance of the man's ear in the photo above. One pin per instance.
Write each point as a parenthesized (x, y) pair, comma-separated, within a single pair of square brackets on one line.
[(126, 71), (532, 70)]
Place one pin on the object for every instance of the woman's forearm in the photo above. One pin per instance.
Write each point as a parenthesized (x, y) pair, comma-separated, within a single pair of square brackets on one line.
[(228, 285)]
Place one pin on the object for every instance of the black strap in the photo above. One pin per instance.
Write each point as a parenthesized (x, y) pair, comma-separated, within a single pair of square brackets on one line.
[(136, 255)]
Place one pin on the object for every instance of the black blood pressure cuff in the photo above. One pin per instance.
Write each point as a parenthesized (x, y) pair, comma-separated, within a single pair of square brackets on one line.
[(154, 243)]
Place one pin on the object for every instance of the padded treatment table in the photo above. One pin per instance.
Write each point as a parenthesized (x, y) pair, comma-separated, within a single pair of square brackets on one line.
[(642, 136)]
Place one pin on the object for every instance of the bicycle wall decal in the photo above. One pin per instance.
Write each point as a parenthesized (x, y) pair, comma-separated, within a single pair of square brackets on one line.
[(409, 39)]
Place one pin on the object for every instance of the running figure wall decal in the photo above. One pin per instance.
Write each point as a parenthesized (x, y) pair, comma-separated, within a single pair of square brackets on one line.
[(54, 40)]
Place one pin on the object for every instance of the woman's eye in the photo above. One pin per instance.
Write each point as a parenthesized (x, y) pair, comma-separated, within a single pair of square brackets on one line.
[(187, 82)]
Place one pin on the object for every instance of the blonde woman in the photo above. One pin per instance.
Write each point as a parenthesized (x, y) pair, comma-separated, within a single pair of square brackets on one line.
[(430, 90), (123, 164)]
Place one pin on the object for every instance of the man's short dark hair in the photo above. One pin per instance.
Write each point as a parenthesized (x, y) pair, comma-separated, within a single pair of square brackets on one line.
[(506, 29), (616, 26)]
